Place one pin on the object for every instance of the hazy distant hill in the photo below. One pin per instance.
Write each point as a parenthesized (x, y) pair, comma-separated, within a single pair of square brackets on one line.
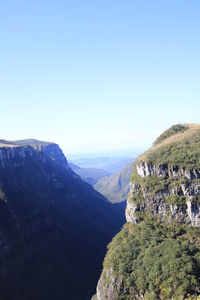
[(90, 175), (109, 164), (116, 187)]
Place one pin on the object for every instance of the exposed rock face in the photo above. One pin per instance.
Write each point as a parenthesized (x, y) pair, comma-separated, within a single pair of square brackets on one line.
[(145, 169), (181, 183), (13, 155), (107, 287), (165, 185), (54, 227)]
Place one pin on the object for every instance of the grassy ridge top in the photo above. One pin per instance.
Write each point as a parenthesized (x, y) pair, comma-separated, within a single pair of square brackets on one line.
[(21, 143), (177, 146), (173, 130)]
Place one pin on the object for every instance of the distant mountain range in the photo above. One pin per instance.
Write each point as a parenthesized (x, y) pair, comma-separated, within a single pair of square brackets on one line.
[(116, 186), (108, 164), (90, 175)]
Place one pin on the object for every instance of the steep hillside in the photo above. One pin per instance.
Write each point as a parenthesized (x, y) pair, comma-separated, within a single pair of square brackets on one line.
[(89, 175), (116, 187), (109, 164), (157, 253), (53, 226)]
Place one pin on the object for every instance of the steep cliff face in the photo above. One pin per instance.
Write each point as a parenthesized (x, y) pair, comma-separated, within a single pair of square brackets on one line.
[(168, 192), (163, 215), (13, 153), (53, 226)]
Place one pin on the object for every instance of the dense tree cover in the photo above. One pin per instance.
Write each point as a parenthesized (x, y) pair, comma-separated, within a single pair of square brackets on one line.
[(156, 261)]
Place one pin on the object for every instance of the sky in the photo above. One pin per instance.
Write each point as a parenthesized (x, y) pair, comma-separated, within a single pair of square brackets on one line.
[(100, 75)]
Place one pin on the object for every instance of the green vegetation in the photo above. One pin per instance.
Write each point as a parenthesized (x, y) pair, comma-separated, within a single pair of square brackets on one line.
[(181, 153), (135, 177), (155, 184), (171, 131), (116, 186), (175, 199), (151, 183), (89, 175), (157, 261), (138, 198), (154, 259)]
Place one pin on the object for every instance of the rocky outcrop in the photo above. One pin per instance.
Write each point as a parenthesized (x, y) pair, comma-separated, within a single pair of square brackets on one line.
[(193, 211), (15, 155), (165, 188), (108, 285), (168, 194), (182, 187), (145, 169)]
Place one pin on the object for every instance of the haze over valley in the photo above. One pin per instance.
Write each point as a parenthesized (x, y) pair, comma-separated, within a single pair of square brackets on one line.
[(99, 150)]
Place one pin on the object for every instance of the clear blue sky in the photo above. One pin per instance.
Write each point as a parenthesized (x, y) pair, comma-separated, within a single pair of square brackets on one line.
[(98, 75)]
